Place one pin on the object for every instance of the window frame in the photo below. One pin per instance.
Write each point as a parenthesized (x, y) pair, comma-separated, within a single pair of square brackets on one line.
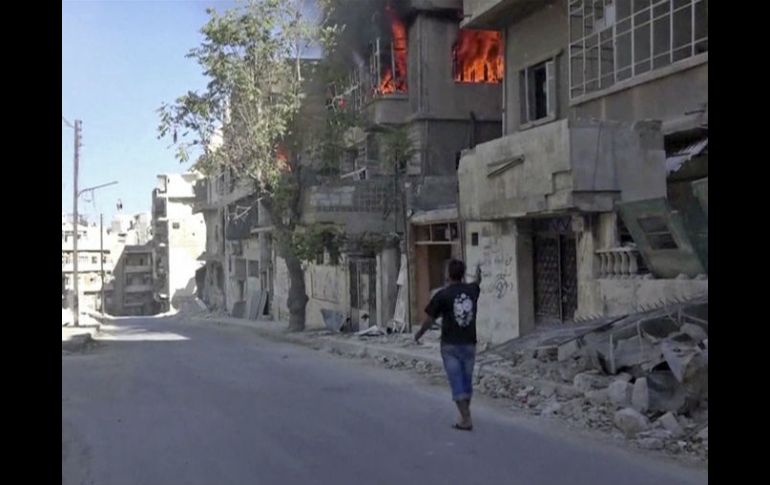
[(641, 15), (551, 92)]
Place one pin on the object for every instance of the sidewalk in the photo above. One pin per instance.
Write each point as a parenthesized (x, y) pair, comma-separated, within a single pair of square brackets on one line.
[(74, 339)]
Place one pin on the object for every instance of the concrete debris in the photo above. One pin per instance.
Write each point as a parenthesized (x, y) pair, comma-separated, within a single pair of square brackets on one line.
[(684, 360), (599, 396), (670, 424), (666, 394), (587, 381), (661, 434), (619, 393), (703, 434), (623, 376), (551, 408), (695, 332), (650, 443), (333, 320), (373, 331), (547, 390), (640, 395), (631, 421), (522, 394)]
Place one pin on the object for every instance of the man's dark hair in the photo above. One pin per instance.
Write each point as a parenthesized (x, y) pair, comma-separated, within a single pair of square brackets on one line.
[(456, 270)]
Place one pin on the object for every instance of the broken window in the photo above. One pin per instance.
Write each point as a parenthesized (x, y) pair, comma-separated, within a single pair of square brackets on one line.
[(537, 92), (253, 269), (657, 233), (477, 57), (614, 40)]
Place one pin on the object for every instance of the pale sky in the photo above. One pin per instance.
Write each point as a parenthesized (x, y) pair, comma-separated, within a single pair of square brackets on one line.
[(120, 60)]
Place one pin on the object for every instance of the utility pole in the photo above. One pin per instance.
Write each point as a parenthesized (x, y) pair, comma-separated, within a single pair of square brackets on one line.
[(75, 194), (101, 254)]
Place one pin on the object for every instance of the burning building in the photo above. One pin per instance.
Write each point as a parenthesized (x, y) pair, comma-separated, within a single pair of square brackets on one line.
[(414, 69), (478, 56)]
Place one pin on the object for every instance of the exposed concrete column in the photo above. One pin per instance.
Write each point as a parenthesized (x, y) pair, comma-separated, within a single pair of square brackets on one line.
[(524, 276), (592, 232), (387, 262)]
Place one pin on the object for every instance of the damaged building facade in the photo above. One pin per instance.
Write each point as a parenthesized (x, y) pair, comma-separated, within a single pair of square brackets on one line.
[(442, 85), (179, 239), (594, 201), (562, 145)]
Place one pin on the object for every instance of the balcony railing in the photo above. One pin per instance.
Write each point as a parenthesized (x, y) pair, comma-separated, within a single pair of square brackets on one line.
[(621, 263)]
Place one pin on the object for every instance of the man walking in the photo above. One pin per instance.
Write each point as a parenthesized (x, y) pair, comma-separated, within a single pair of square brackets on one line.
[(456, 305)]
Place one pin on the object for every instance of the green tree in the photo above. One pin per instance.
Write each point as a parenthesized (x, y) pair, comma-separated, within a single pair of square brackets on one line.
[(255, 58)]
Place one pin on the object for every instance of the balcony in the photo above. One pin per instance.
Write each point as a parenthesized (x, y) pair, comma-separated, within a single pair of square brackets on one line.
[(621, 263), (391, 109), (566, 165), (496, 14)]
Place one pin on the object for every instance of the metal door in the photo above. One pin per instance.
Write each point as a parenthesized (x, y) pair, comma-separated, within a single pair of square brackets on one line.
[(555, 269)]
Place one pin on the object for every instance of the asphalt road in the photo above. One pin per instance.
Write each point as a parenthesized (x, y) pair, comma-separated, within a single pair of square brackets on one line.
[(167, 402)]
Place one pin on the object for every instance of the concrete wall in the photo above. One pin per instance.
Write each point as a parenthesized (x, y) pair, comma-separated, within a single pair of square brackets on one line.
[(327, 288), (668, 95), (439, 143), (185, 246), (614, 297), (178, 185), (360, 206), (567, 164), (665, 94), (504, 251), (433, 93), (535, 39)]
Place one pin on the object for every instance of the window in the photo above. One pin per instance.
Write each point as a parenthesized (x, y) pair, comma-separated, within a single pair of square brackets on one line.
[(253, 269), (537, 92), (615, 40), (657, 233), (94, 259), (474, 239), (175, 225)]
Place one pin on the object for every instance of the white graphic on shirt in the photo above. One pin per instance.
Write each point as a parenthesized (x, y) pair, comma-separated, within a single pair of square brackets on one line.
[(463, 309)]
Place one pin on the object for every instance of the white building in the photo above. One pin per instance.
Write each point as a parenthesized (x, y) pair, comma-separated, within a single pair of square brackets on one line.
[(179, 238)]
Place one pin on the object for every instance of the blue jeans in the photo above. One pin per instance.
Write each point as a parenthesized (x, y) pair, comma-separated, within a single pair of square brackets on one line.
[(458, 363)]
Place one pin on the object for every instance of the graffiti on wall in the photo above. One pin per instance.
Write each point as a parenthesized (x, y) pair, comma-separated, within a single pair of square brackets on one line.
[(497, 270)]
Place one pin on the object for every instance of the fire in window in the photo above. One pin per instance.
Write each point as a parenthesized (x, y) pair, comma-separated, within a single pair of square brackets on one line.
[(477, 57), (389, 62)]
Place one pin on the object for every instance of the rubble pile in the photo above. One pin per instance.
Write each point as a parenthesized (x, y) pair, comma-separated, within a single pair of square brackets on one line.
[(642, 377)]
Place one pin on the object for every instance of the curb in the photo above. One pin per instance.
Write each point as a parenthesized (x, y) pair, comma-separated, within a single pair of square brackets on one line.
[(77, 342)]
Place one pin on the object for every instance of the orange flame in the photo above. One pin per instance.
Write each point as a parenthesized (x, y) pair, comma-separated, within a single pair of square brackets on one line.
[(398, 32), (478, 56), (282, 158)]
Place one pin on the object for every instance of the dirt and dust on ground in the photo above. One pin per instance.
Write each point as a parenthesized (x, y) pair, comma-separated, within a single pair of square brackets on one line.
[(641, 379)]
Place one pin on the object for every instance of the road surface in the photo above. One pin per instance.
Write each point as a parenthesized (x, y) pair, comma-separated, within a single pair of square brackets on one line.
[(168, 402)]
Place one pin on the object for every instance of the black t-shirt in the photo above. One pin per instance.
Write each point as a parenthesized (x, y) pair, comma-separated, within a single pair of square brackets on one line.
[(456, 305)]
